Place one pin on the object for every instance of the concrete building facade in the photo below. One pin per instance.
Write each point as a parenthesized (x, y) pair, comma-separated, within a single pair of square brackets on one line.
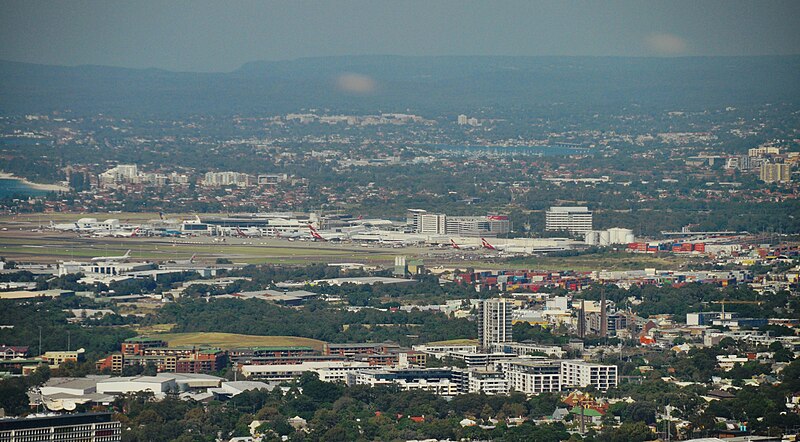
[(494, 322), (572, 219)]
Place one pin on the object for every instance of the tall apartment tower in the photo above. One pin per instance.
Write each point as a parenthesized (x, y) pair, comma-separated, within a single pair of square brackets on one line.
[(775, 173), (494, 322)]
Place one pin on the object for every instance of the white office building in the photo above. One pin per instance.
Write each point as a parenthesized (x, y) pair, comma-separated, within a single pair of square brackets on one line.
[(572, 219), (328, 370), (422, 222), (438, 381), (432, 224), (477, 226)]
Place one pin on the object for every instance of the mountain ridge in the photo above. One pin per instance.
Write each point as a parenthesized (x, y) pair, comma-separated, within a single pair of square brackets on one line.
[(428, 85)]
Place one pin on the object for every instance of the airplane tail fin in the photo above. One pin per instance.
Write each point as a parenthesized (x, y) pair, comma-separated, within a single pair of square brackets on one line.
[(315, 234)]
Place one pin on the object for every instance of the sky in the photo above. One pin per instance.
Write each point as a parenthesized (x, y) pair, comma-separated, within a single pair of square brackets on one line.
[(220, 36)]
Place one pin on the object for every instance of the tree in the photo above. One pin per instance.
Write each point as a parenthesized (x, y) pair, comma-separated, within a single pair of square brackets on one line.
[(628, 432), (13, 396)]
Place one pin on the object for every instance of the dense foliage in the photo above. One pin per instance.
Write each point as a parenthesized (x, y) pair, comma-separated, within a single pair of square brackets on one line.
[(314, 320)]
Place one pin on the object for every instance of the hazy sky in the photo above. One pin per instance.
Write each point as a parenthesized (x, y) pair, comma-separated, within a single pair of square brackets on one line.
[(222, 35)]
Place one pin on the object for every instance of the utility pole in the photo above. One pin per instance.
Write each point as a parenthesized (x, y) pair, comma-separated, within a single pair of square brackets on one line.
[(666, 408), (69, 340), (40, 340), (603, 314)]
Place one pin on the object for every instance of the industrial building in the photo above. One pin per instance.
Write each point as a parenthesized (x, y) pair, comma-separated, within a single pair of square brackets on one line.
[(608, 237)]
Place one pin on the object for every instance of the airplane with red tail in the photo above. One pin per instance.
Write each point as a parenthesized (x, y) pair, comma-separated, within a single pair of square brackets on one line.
[(486, 245), (326, 236), (315, 234)]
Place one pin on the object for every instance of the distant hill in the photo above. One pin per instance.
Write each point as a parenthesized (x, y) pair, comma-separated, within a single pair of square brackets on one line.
[(426, 85)]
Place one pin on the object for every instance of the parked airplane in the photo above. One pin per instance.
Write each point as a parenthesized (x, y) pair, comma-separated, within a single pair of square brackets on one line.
[(118, 233), (287, 235), (251, 231), (486, 245), (462, 246), (325, 236), (186, 261), (113, 258)]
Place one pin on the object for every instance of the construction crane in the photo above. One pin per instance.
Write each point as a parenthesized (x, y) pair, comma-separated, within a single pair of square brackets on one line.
[(734, 301)]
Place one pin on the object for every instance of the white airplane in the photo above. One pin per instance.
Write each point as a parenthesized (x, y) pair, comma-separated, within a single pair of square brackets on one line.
[(325, 236), (246, 233), (456, 246), (287, 235), (112, 258), (486, 245), (187, 262), (118, 233)]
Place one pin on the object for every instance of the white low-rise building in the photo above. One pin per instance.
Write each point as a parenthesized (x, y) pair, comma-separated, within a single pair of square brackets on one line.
[(485, 380), (532, 376), (581, 374), (442, 350), (230, 389), (439, 381), (158, 385), (330, 370)]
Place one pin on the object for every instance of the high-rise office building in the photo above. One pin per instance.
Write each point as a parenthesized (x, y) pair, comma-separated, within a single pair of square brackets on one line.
[(432, 223), (571, 219), (494, 322)]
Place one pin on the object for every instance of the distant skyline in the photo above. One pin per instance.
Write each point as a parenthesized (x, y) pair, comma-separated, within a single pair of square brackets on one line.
[(218, 36)]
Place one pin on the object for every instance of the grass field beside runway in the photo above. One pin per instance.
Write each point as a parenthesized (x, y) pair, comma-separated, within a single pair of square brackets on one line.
[(19, 243), (49, 246)]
